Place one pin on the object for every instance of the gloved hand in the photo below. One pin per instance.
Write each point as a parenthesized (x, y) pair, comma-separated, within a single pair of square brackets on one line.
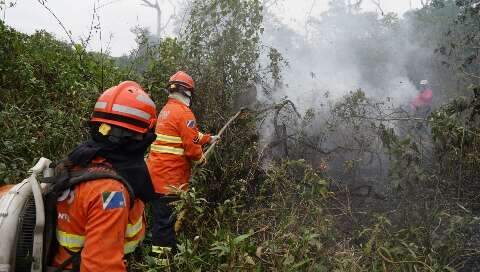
[(214, 139), (202, 161)]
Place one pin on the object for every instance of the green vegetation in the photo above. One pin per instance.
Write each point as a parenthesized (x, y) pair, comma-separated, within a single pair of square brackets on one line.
[(47, 91), (396, 192)]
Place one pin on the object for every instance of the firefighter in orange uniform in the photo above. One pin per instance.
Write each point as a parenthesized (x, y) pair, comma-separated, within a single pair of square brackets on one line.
[(101, 218), (178, 145)]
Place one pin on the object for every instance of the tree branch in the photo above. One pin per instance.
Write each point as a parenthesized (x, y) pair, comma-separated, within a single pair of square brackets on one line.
[(69, 35), (378, 4), (148, 4)]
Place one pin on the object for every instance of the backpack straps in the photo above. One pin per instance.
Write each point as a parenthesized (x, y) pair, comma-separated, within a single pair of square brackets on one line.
[(66, 177), (74, 259), (99, 172)]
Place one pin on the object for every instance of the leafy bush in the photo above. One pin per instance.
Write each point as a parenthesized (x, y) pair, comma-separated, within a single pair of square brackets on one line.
[(47, 91), (295, 203)]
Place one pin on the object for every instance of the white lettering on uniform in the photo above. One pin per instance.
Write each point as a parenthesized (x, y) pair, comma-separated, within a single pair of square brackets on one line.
[(64, 216)]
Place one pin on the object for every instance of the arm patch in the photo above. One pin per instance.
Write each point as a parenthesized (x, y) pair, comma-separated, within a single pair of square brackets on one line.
[(191, 123), (113, 200)]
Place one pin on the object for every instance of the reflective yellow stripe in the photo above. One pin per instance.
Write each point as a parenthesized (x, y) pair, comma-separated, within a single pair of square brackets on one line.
[(132, 230), (161, 250), (200, 135), (169, 139), (130, 246), (71, 241), (167, 149)]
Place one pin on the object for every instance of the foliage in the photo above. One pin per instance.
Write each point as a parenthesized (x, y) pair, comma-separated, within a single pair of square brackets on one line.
[(455, 129), (221, 48), (355, 184), (47, 90)]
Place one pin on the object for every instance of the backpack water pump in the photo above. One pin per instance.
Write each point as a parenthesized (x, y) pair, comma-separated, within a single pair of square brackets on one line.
[(22, 222)]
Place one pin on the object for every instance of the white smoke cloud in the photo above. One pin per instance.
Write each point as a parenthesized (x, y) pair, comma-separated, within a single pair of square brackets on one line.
[(342, 52)]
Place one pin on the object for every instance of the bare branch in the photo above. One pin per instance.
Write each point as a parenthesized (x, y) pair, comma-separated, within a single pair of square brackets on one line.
[(93, 26), (469, 74), (307, 19), (156, 6), (171, 16), (269, 3), (425, 2), (148, 4), (69, 35), (107, 4), (378, 4), (355, 5), (167, 23)]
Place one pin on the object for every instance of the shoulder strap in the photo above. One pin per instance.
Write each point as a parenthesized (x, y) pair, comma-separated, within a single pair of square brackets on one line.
[(99, 172), (74, 259), (66, 178)]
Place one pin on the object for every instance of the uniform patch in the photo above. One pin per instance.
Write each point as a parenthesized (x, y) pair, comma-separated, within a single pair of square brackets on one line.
[(113, 200), (191, 123)]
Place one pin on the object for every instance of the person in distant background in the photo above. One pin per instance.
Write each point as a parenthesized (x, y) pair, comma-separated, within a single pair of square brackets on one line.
[(422, 103)]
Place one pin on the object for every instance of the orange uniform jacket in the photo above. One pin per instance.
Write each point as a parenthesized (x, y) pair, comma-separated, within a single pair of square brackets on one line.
[(178, 143), (136, 227), (95, 217)]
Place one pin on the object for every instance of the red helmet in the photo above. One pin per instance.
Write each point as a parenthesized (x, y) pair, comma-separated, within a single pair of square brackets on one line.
[(182, 79), (126, 105)]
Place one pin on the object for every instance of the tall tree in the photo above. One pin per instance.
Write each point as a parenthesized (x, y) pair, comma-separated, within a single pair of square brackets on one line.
[(160, 25)]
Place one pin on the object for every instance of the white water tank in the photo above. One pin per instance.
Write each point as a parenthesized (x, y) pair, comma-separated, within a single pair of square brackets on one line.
[(22, 221)]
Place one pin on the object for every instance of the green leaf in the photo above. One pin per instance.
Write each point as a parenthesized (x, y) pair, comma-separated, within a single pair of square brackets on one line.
[(289, 259), (241, 238)]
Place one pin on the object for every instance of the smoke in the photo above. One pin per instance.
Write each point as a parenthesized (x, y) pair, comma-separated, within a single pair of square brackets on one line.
[(340, 51), (344, 50)]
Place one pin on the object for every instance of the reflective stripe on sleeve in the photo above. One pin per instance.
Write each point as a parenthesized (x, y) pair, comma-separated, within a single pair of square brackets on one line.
[(161, 250), (133, 229), (71, 241), (198, 138), (130, 246), (167, 149), (169, 139)]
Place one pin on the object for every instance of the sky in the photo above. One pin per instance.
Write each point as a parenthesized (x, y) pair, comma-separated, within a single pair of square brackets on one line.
[(116, 18)]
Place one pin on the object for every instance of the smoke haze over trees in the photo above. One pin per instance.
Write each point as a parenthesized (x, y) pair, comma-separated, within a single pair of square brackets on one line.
[(330, 170), (347, 49)]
